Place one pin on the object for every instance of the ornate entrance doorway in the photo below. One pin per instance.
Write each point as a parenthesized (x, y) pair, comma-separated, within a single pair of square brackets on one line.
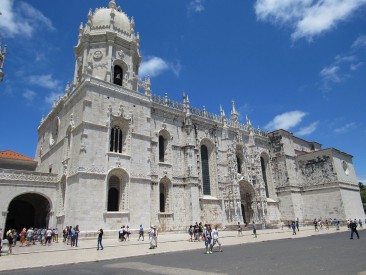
[(28, 210), (246, 197)]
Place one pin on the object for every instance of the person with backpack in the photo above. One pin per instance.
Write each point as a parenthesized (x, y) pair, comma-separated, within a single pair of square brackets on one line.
[(10, 237)]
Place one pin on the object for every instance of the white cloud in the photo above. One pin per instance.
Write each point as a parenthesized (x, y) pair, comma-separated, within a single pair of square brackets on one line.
[(346, 128), (29, 95), (354, 67), (176, 67), (20, 18), (286, 120), (360, 42), (45, 81), (331, 74), (345, 58), (307, 130), (154, 66), (196, 6), (308, 18)]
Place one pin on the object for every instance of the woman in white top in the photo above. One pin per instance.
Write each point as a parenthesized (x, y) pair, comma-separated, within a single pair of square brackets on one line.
[(215, 234)]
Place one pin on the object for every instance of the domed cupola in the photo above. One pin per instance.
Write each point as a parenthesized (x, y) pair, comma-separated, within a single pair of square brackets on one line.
[(111, 18), (108, 48)]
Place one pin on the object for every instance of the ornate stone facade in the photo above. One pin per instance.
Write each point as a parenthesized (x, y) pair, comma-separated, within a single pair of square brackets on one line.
[(121, 155)]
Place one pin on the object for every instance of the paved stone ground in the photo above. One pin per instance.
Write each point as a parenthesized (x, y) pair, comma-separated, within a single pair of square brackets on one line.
[(60, 253)]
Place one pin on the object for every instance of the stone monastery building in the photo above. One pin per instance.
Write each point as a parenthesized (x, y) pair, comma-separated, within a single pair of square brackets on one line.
[(111, 153)]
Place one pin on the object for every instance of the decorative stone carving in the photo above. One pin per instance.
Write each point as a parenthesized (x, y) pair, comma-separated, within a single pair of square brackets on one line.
[(97, 55)]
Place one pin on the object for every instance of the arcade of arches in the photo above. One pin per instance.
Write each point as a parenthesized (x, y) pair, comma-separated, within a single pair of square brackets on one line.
[(28, 210)]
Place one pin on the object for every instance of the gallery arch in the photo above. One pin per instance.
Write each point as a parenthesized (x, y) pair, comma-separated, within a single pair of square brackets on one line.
[(247, 201), (117, 191), (28, 210)]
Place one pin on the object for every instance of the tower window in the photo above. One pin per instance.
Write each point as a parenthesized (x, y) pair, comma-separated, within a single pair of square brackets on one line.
[(264, 174), (115, 144), (118, 75), (238, 163), (205, 171), (161, 148)]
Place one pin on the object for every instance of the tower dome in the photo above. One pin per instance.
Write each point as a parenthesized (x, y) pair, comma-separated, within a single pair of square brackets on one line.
[(111, 18)]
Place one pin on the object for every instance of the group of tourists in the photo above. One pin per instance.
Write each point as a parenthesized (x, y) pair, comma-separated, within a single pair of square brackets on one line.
[(199, 232), (124, 233), (31, 236), (70, 235)]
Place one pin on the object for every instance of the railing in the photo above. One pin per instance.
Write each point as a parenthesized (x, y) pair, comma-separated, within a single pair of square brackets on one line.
[(165, 101)]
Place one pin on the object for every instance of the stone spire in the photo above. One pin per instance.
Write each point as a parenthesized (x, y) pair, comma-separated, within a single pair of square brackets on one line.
[(234, 113), (112, 4)]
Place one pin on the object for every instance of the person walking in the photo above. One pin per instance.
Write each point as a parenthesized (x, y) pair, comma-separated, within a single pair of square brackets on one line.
[(297, 224), (190, 233), (353, 227), (255, 229), (100, 238), (315, 223), (77, 232), (208, 239), (48, 236), (152, 237), (240, 230), (293, 226), (215, 234), (141, 232), (23, 235), (10, 237)]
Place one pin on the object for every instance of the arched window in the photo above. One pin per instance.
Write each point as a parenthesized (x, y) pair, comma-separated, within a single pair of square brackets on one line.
[(115, 144), (118, 75), (205, 170), (161, 148), (238, 163), (264, 175), (162, 197), (113, 193)]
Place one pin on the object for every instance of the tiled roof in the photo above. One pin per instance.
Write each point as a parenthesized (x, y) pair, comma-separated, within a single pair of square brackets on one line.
[(8, 154)]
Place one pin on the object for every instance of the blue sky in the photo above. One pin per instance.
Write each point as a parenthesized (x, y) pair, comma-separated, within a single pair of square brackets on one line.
[(299, 65)]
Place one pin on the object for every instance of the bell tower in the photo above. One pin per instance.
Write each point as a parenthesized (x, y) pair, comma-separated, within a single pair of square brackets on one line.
[(108, 48)]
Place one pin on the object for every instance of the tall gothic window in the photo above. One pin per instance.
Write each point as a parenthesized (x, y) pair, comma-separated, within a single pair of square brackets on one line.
[(113, 194), (205, 171), (161, 148), (118, 75), (115, 144), (162, 197), (238, 163), (264, 174)]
